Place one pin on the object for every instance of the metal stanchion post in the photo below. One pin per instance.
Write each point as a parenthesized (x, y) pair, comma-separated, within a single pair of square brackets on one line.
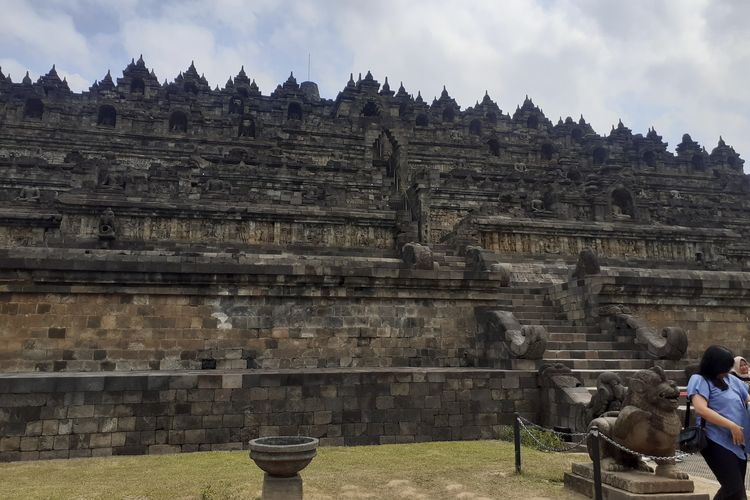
[(517, 441), (597, 463)]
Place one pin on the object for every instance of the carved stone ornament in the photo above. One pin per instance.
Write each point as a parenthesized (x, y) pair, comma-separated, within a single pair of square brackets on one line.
[(669, 343), (522, 341)]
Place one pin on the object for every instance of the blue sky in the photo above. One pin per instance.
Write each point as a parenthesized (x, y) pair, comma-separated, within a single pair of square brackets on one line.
[(679, 65)]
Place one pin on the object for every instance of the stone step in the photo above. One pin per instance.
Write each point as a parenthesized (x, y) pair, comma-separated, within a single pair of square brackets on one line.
[(547, 310), (604, 364), (607, 345), (576, 336), (594, 354), (534, 315), (564, 327), (550, 324), (560, 320)]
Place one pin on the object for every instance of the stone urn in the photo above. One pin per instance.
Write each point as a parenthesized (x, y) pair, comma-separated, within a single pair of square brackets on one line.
[(281, 458)]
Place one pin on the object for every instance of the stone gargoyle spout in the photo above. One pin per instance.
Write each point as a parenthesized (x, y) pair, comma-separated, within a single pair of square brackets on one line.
[(522, 341), (669, 343)]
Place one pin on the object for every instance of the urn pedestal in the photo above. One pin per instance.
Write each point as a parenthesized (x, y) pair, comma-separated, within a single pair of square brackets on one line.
[(281, 458)]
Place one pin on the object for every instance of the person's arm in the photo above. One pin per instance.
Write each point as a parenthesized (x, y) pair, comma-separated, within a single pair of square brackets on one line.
[(703, 411)]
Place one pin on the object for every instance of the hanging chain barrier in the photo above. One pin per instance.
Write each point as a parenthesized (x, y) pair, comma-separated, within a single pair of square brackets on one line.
[(526, 426), (659, 460), (521, 424)]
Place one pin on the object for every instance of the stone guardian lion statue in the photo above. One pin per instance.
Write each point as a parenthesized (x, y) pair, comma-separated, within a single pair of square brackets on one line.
[(648, 423)]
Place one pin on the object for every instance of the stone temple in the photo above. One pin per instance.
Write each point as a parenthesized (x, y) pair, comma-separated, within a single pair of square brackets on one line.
[(185, 268)]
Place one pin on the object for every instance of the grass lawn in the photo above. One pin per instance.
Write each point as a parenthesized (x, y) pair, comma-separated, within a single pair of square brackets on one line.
[(467, 470)]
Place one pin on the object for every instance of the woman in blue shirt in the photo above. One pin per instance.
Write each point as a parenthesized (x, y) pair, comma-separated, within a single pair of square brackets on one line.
[(721, 400)]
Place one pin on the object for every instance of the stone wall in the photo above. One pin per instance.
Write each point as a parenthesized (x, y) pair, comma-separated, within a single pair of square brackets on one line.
[(85, 310), (712, 307), (95, 331), (46, 416)]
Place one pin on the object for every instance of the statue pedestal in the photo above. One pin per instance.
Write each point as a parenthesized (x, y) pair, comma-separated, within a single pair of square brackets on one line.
[(631, 485), (282, 488)]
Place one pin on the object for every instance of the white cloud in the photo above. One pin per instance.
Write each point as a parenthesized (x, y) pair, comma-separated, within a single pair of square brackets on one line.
[(41, 32)]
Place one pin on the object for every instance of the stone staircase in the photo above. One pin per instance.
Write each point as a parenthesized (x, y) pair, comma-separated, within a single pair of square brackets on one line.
[(585, 348)]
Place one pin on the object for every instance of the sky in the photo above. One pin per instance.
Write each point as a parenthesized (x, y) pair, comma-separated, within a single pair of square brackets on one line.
[(681, 66)]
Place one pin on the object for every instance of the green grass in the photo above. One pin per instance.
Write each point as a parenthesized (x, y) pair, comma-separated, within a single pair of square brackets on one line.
[(468, 469)]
